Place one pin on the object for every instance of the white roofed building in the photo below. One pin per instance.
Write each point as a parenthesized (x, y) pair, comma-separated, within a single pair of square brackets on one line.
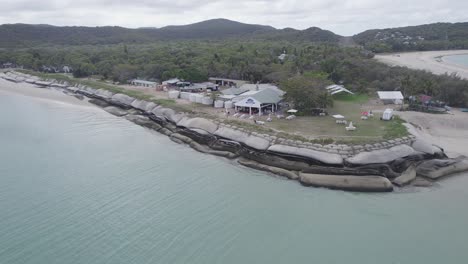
[(258, 101), (393, 97)]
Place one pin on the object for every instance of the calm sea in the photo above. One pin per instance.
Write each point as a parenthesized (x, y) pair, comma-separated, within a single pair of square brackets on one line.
[(458, 59), (78, 185)]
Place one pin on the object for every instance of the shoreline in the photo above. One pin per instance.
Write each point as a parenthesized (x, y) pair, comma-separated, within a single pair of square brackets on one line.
[(431, 61), (368, 169)]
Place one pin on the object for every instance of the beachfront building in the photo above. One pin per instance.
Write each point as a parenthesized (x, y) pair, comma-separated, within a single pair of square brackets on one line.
[(224, 82), (262, 86), (143, 83), (393, 97), (258, 101)]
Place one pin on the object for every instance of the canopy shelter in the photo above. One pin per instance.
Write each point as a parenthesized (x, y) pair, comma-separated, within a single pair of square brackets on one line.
[(393, 97), (173, 81), (338, 116), (335, 89), (257, 101)]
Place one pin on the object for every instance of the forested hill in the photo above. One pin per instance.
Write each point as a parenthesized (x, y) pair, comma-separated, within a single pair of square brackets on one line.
[(24, 35), (438, 36)]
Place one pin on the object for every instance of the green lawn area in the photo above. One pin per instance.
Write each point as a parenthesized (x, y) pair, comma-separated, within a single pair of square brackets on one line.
[(325, 127), (317, 129)]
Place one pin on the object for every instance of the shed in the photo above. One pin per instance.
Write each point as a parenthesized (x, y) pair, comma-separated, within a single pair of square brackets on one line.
[(394, 97), (143, 83)]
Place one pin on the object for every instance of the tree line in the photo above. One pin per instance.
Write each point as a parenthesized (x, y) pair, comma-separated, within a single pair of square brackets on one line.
[(252, 60)]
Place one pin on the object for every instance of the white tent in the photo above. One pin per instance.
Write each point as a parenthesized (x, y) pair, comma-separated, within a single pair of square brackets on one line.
[(293, 111), (335, 89)]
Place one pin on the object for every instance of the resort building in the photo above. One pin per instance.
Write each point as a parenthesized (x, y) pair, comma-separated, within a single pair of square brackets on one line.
[(143, 83), (261, 86), (258, 102)]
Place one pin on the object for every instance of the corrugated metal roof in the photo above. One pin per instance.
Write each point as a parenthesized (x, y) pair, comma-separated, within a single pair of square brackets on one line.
[(393, 95), (234, 91), (265, 96)]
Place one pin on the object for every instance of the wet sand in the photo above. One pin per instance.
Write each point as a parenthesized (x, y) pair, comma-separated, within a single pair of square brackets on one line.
[(49, 94), (431, 61)]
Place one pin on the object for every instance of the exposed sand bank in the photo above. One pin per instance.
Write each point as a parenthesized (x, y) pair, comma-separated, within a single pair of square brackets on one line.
[(447, 131), (49, 94), (428, 60)]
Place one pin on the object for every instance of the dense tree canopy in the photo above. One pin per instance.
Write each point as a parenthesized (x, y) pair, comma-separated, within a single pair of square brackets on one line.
[(307, 92), (252, 60)]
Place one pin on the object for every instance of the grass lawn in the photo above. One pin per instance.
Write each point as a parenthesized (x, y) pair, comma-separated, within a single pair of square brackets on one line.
[(371, 130), (317, 129)]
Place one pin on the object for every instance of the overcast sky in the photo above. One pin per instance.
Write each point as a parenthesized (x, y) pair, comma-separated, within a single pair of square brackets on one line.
[(345, 17)]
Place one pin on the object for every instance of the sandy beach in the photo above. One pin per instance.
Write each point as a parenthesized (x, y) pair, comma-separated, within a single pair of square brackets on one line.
[(449, 131), (48, 94), (428, 60)]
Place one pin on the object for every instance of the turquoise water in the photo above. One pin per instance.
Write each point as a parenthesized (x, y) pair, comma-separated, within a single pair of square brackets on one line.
[(458, 59), (78, 185)]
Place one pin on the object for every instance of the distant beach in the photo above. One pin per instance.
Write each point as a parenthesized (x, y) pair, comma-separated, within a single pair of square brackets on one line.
[(432, 61)]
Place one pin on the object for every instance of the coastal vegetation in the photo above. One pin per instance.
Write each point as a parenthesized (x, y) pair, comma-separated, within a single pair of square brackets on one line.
[(437, 36), (255, 61), (235, 50)]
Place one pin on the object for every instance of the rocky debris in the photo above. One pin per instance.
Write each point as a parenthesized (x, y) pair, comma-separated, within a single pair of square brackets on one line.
[(437, 168), (86, 91), (167, 114), (205, 149), (99, 102), (425, 147), (242, 137), (381, 155), (122, 100), (275, 170), (103, 94), (165, 131), (198, 123), (174, 118), (327, 158), (143, 121), (182, 138), (421, 182), (143, 105), (115, 111), (347, 183), (406, 177), (72, 89)]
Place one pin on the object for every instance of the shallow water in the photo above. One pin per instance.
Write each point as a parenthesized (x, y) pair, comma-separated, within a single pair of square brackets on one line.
[(458, 59), (78, 185)]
